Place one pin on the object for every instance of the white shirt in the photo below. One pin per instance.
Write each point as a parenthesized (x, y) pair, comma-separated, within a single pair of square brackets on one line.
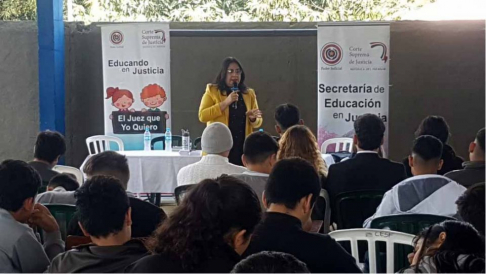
[(58, 195), (209, 167)]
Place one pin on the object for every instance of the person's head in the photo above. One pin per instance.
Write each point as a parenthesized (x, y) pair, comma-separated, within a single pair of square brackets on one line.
[(445, 242), (231, 72), (260, 152), (270, 262), (120, 98), (153, 96), (49, 147), (292, 188), (426, 155), (369, 132), (286, 115), (298, 141), (19, 184), (108, 163), (64, 180), (476, 148), (470, 206), (217, 139), (103, 209), (214, 213), (435, 126)]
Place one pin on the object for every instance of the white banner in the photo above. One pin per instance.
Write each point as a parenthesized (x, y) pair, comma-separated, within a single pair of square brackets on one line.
[(353, 76), (136, 81)]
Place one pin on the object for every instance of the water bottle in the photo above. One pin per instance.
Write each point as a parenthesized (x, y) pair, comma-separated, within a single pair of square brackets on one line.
[(168, 140), (147, 137), (186, 139)]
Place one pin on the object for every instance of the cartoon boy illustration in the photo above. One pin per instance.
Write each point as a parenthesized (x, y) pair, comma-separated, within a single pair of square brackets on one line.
[(122, 99), (153, 96)]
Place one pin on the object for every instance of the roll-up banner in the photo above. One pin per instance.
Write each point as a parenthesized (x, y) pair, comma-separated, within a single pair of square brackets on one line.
[(353, 76), (136, 81)]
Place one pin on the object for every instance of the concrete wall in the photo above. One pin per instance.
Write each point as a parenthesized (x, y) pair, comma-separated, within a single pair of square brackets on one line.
[(436, 68)]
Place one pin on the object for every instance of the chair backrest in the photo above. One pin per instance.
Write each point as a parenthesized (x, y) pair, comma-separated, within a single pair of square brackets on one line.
[(197, 144), (354, 207), (327, 212), (180, 191), (101, 143), (72, 241), (176, 141), (63, 215), (408, 223), (341, 144), (371, 236), (71, 170)]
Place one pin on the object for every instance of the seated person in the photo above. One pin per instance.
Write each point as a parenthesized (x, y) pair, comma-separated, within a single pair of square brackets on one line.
[(216, 142), (473, 171), (448, 247), (290, 195), (20, 250), (208, 232), (104, 215), (145, 216), (259, 156), (60, 190), (426, 192), (49, 147), (270, 262), (367, 170), (438, 127), (470, 207), (286, 116)]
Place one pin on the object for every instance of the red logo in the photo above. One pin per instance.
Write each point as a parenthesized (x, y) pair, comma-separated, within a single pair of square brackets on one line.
[(116, 37), (331, 54)]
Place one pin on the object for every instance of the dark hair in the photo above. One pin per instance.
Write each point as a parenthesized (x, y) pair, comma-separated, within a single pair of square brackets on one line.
[(101, 205), (471, 206), (480, 138), (49, 145), (427, 147), (108, 163), (18, 182), (461, 239), (287, 115), (210, 212), (270, 262), (370, 130), (291, 180), (66, 180), (435, 126), (259, 146), (221, 77)]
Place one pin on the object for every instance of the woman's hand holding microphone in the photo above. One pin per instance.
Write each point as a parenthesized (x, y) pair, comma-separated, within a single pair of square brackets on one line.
[(232, 97)]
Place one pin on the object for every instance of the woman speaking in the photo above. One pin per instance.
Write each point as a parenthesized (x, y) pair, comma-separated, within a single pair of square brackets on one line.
[(228, 100)]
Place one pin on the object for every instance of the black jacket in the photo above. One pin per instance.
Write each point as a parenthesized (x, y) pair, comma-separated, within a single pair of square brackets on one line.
[(451, 161), (146, 217), (100, 259), (472, 174), (283, 233), (223, 261), (365, 171)]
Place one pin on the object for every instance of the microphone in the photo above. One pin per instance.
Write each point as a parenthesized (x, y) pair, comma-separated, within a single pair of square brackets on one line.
[(235, 89)]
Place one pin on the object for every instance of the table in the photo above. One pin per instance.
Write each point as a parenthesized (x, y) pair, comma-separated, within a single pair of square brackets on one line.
[(156, 171)]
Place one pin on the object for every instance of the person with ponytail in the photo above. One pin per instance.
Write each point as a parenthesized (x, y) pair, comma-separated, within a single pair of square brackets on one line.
[(448, 247), (207, 233), (122, 99)]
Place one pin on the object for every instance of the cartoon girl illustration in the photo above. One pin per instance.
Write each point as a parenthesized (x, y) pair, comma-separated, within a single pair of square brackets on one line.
[(122, 99), (153, 96)]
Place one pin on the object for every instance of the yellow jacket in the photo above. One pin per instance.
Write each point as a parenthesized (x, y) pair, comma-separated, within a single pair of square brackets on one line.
[(210, 111)]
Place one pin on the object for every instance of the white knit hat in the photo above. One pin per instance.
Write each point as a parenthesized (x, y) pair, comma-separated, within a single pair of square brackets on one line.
[(216, 138)]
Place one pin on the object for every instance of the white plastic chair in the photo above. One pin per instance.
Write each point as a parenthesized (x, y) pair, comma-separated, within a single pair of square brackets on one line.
[(102, 143), (71, 170), (372, 236), (341, 144)]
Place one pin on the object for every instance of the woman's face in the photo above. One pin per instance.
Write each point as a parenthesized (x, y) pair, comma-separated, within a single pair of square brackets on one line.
[(429, 251), (123, 102), (233, 74)]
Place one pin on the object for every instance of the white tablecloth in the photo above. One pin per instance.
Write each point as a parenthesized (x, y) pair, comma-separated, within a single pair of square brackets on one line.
[(156, 171)]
